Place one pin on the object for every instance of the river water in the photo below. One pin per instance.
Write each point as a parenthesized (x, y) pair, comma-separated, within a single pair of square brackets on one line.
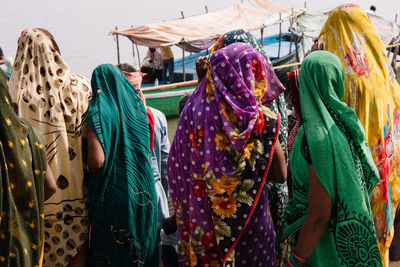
[(81, 27)]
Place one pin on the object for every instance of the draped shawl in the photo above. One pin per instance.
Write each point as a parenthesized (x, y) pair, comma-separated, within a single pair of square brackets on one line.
[(333, 140), (55, 101), (275, 101), (373, 92), (23, 167), (219, 160), (123, 201)]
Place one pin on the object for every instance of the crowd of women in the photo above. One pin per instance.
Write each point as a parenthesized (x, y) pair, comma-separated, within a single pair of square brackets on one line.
[(87, 149)]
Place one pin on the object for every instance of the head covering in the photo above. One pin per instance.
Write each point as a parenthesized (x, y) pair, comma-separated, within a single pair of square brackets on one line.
[(135, 78), (23, 168), (55, 101), (372, 91), (332, 140), (218, 162), (123, 203), (275, 100), (246, 37)]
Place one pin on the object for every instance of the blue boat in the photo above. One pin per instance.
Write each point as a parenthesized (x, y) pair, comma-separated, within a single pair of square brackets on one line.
[(166, 97)]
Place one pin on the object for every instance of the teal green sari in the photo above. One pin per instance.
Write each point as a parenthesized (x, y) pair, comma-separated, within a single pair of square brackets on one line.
[(332, 139), (123, 203)]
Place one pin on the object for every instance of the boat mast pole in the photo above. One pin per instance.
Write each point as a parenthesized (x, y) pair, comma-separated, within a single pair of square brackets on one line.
[(117, 38), (138, 55), (262, 35), (183, 61), (291, 34), (280, 33)]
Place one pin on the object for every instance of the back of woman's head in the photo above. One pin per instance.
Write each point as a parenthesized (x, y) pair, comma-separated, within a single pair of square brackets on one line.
[(126, 67), (323, 71), (51, 37), (242, 70)]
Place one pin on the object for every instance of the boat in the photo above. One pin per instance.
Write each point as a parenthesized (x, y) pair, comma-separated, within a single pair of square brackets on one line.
[(196, 34), (165, 97)]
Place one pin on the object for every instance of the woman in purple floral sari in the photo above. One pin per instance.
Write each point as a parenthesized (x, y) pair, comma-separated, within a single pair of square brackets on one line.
[(224, 150)]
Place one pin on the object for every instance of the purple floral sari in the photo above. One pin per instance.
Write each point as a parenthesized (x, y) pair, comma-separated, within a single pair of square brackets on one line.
[(219, 161)]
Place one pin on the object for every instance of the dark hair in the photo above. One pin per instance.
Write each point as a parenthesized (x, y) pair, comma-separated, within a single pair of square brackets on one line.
[(126, 67), (182, 101), (51, 37), (152, 50), (373, 8)]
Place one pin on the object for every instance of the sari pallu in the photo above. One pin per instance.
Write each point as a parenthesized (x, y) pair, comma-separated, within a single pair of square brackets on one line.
[(55, 101), (23, 168), (275, 101), (218, 163), (332, 139), (372, 91), (123, 200)]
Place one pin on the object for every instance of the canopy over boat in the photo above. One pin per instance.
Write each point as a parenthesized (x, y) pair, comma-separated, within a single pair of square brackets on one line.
[(199, 32), (311, 24)]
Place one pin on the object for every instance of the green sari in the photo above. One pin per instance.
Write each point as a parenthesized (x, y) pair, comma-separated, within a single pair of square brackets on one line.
[(332, 140), (23, 167), (123, 201)]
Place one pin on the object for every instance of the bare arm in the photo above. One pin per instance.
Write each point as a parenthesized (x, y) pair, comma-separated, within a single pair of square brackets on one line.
[(49, 184), (278, 170), (96, 156), (2, 61), (317, 218)]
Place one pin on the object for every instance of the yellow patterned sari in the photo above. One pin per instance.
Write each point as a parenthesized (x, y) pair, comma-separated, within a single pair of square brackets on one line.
[(372, 91)]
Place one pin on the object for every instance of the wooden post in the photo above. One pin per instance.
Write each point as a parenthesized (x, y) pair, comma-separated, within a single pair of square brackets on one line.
[(280, 33), (138, 55), (183, 61), (206, 9), (305, 4), (133, 52), (291, 34), (117, 37), (183, 16), (395, 18), (394, 61), (262, 36)]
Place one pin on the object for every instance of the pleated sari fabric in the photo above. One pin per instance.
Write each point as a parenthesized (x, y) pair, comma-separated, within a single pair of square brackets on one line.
[(55, 101), (373, 92), (23, 167), (123, 201)]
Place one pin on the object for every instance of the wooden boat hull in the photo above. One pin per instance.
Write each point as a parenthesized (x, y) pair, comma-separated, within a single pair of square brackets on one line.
[(166, 99)]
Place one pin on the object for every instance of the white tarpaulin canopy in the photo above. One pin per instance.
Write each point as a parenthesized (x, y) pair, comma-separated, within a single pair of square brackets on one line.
[(311, 24), (200, 32)]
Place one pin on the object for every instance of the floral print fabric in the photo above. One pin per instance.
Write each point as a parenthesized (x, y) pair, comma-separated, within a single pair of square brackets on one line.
[(218, 163), (275, 101)]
